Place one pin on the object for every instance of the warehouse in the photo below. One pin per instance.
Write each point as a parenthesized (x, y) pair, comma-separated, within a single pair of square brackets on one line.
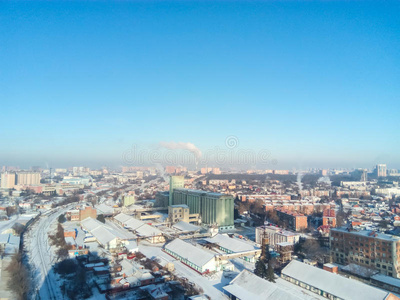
[(246, 285), (192, 256), (330, 285), (233, 245), (140, 228)]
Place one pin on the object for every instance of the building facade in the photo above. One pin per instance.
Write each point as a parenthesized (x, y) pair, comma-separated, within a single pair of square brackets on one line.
[(366, 248), (7, 180), (28, 178), (295, 221), (175, 183), (276, 235)]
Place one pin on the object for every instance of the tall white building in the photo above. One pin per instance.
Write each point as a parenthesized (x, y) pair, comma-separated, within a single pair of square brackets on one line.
[(28, 178), (381, 170), (7, 180)]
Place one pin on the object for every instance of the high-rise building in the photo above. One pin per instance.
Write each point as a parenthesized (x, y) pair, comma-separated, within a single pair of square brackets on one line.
[(364, 175), (381, 170), (7, 180), (28, 178), (214, 208), (175, 182), (366, 248)]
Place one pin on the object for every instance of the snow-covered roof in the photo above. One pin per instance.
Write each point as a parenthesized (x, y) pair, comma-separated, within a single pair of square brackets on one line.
[(387, 279), (249, 286), (103, 235), (184, 226), (104, 208), (232, 244), (131, 246), (122, 218), (331, 283), (193, 254), (90, 224), (147, 230), (134, 223)]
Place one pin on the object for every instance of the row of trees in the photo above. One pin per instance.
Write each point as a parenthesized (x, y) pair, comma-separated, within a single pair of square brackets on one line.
[(58, 240), (18, 281)]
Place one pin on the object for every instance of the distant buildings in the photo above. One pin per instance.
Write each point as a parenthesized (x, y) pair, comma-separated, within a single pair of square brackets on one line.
[(7, 180), (128, 199), (381, 170), (28, 178), (366, 248), (329, 218)]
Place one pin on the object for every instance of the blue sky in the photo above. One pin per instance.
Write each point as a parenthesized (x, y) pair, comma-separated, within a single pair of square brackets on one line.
[(315, 83)]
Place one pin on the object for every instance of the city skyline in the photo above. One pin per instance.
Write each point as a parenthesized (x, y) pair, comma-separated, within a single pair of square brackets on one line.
[(315, 84)]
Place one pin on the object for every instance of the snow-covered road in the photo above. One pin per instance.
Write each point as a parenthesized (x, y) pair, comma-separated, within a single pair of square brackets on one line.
[(41, 257)]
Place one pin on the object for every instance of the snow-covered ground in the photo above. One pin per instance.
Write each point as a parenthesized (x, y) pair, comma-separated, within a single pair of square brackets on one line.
[(41, 255)]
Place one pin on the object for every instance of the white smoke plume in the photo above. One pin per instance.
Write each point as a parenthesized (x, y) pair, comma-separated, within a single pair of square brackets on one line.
[(299, 183), (160, 169), (184, 146)]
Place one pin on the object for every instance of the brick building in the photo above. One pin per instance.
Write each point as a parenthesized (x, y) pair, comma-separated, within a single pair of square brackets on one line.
[(366, 248), (329, 217), (294, 220)]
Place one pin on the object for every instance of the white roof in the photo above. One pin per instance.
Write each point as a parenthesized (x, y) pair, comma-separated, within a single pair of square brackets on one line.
[(122, 218), (193, 254), (131, 246), (147, 230), (232, 244), (249, 286), (90, 224), (184, 226), (104, 208), (331, 283), (134, 223), (103, 235)]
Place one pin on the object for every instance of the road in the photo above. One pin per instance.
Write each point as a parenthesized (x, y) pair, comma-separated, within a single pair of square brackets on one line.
[(38, 248)]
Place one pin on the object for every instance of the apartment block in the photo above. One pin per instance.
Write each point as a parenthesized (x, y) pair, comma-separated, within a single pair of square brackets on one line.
[(295, 221), (366, 248)]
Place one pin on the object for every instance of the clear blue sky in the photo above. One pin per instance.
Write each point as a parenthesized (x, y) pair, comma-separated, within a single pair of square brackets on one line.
[(316, 83)]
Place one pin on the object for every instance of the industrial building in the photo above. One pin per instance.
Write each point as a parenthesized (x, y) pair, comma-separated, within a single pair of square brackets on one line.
[(214, 208), (192, 256), (180, 212), (247, 285), (140, 228), (105, 236), (235, 246), (330, 285)]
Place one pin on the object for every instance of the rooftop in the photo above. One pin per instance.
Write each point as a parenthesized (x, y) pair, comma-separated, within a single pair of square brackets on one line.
[(331, 283), (368, 233), (193, 254)]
